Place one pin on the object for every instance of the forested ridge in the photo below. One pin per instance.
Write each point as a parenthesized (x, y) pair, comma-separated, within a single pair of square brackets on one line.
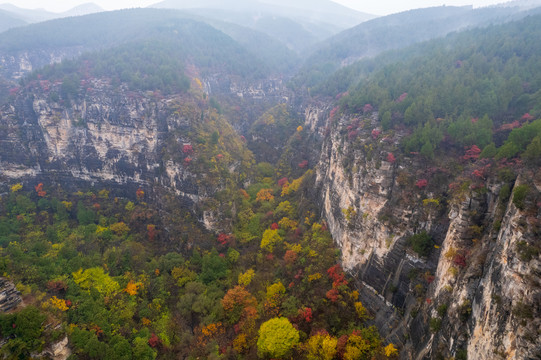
[(370, 39), (471, 88)]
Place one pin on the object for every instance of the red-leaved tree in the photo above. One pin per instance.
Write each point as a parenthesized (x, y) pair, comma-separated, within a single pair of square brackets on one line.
[(421, 183), (187, 149), (472, 153)]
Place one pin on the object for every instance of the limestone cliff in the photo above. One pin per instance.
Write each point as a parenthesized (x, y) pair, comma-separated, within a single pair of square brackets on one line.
[(119, 138), (476, 286), (17, 64), (108, 135), (10, 298)]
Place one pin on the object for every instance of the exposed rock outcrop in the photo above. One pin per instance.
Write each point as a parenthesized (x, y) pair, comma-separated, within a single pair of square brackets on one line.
[(10, 298), (109, 135), (18, 64), (58, 351)]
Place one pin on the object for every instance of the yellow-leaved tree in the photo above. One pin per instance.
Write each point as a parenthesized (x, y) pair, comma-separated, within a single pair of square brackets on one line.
[(16, 187), (270, 239), (390, 350), (96, 278), (246, 278), (321, 347), (277, 337)]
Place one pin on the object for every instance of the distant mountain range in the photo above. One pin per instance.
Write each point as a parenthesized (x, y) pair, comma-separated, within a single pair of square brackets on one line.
[(13, 16), (9, 20), (320, 36), (400, 30), (315, 10), (298, 24)]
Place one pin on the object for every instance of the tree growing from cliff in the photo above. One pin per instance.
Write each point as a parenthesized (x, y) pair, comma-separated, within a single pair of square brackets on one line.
[(187, 149), (519, 196), (421, 183), (40, 191), (16, 187), (421, 243)]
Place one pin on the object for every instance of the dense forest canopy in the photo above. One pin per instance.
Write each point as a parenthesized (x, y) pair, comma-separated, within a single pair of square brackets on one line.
[(461, 88), (396, 31), (104, 269)]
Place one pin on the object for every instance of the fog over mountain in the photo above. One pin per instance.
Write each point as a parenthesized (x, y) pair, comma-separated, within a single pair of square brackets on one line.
[(311, 22)]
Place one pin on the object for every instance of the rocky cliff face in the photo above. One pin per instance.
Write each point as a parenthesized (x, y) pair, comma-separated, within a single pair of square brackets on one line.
[(475, 288), (10, 298), (16, 64), (108, 135)]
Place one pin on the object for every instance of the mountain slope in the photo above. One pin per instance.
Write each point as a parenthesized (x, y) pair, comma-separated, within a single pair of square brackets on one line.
[(40, 44), (397, 31), (9, 20), (266, 48)]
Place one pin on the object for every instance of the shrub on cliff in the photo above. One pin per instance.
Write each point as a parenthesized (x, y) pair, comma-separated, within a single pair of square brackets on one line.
[(421, 243), (519, 195)]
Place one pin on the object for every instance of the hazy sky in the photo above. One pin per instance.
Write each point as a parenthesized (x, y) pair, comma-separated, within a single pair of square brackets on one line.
[(380, 7)]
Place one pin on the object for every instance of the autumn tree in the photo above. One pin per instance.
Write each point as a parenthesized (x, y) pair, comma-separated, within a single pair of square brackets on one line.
[(264, 195), (120, 228), (246, 278), (390, 350), (238, 304), (362, 344), (472, 153), (321, 346), (421, 183), (151, 232), (270, 239), (96, 278), (183, 275), (16, 187), (275, 295), (132, 287), (277, 337), (39, 190)]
